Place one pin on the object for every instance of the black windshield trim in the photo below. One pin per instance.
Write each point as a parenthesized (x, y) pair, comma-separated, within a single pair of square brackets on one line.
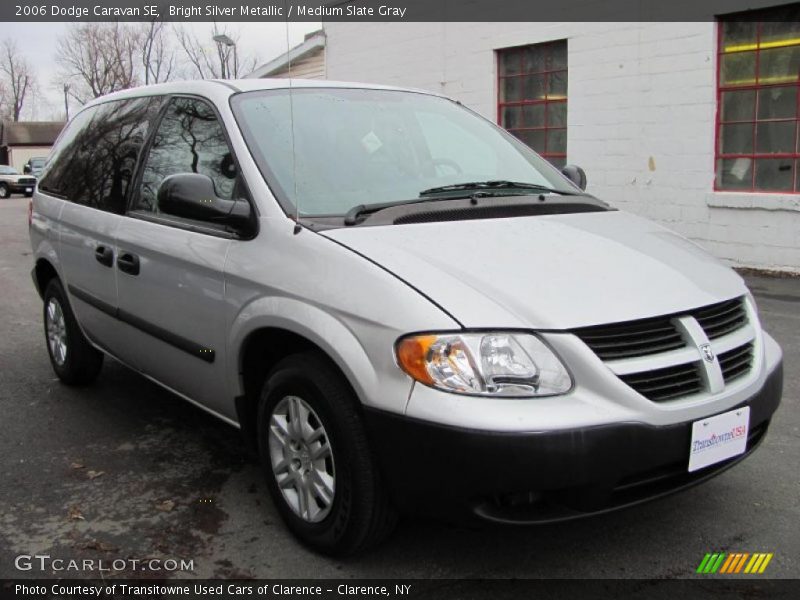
[(497, 185), (502, 206)]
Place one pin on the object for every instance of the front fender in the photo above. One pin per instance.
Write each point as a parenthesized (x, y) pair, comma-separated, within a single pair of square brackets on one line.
[(371, 372)]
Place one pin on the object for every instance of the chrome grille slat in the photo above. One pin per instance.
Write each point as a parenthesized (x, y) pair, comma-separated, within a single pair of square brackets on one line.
[(737, 362), (721, 319), (668, 383), (632, 352), (656, 374), (635, 338), (656, 334), (655, 338)]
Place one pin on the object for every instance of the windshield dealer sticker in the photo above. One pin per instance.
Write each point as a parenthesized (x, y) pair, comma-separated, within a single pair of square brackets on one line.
[(371, 142)]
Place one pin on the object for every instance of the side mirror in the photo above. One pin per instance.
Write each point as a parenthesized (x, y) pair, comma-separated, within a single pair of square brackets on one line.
[(576, 175), (192, 196)]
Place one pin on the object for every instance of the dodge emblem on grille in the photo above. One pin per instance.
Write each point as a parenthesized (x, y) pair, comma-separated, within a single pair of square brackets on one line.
[(707, 352)]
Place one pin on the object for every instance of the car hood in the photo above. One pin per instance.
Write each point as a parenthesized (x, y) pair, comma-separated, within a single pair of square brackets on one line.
[(548, 272)]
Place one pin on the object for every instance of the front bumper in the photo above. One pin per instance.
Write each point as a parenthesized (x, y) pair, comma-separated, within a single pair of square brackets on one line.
[(544, 476)]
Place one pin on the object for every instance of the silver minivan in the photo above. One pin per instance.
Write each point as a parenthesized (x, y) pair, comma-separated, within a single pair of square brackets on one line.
[(402, 307)]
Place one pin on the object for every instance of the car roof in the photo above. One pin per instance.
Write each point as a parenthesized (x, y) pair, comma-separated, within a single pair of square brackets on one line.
[(233, 86)]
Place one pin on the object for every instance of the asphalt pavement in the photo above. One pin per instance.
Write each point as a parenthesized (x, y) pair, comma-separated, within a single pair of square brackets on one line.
[(124, 469)]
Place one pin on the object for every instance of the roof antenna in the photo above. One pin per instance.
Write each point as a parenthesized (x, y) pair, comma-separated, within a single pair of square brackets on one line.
[(297, 227)]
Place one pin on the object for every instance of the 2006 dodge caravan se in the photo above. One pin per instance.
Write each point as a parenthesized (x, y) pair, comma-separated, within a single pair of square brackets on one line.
[(401, 306)]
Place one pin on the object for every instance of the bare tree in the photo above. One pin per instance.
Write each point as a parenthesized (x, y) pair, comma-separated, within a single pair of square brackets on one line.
[(209, 60), (98, 58), (201, 62), (158, 55), (18, 75)]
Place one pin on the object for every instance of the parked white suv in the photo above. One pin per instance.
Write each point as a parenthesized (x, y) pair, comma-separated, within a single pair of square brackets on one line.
[(14, 182), (401, 306)]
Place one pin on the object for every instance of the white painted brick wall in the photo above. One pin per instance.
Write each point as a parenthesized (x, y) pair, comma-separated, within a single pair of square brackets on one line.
[(637, 91)]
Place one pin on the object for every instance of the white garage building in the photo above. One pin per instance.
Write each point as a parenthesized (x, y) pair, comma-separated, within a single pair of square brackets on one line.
[(694, 125)]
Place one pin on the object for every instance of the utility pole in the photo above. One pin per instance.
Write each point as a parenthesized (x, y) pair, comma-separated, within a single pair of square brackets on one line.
[(66, 102)]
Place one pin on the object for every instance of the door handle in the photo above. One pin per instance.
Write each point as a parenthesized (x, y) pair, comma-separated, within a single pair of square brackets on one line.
[(128, 263), (104, 255)]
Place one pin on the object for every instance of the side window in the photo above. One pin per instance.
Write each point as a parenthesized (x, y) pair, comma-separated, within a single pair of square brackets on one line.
[(97, 163), (64, 155), (189, 139)]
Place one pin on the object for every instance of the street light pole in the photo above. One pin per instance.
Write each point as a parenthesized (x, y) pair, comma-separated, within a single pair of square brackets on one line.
[(224, 40)]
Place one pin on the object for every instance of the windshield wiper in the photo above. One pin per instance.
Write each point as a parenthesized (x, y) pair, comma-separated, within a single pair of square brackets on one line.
[(354, 214), (495, 185), (476, 189)]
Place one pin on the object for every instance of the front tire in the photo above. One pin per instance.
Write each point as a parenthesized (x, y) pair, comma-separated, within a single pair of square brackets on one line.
[(73, 358), (4, 191), (313, 447)]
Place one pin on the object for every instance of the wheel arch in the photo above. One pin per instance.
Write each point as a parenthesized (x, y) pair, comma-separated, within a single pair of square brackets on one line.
[(262, 342), (43, 272)]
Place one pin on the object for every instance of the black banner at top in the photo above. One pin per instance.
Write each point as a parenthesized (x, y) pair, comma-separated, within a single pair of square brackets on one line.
[(380, 10)]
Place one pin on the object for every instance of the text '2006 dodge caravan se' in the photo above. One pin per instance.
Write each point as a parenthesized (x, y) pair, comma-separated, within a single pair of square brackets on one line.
[(402, 307)]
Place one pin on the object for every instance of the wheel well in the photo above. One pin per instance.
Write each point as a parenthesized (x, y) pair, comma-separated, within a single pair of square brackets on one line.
[(261, 351), (44, 272)]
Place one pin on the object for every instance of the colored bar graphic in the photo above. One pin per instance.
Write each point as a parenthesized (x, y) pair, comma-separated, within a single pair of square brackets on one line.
[(710, 564), (754, 562), (765, 563), (718, 564), (727, 564), (703, 563), (740, 564), (734, 563), (735, 557)]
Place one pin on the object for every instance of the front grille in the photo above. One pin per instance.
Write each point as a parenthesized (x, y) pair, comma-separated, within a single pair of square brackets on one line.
[(27, 180), (658, 334), (667, 383), (631, 339), (737, 362), (721, 319)]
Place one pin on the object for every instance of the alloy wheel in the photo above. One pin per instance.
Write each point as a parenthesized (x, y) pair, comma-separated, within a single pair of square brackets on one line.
[(302, 459), (56, 331)]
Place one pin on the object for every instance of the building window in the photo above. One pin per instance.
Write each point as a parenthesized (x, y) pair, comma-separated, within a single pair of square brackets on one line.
[(532, 97), (757, 145)]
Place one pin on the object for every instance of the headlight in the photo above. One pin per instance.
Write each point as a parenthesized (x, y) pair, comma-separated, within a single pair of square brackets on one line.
[(488, 364)]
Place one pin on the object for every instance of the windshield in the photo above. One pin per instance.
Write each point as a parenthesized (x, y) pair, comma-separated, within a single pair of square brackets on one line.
[(8, 171), (37, 162), (362, 146)]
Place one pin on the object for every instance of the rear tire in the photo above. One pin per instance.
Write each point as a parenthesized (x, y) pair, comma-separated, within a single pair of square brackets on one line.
[(73, 358), (346, 509)]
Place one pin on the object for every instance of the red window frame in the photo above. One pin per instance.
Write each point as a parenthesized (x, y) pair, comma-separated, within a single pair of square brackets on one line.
[(546, 128), (756, 86)]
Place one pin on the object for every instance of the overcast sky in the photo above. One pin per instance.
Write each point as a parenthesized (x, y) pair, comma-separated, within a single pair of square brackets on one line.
[(37, 41)]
